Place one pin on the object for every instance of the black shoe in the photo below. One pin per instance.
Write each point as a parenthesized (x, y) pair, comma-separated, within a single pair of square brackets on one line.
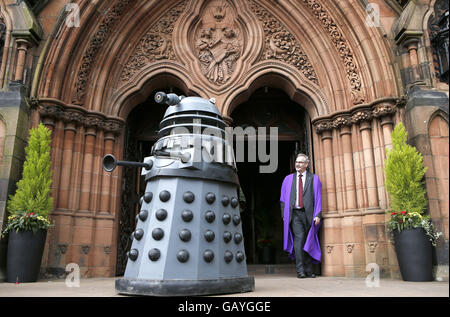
[(301, 275), (312, 275)]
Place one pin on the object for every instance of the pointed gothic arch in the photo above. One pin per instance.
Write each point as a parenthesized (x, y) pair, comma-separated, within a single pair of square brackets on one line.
[(321, 53)]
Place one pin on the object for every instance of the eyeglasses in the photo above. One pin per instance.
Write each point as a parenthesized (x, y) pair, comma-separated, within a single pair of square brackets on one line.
[(301, 162)]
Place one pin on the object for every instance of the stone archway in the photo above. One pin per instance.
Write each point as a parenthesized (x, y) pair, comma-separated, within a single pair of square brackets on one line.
[(268, 107), (118, 58)]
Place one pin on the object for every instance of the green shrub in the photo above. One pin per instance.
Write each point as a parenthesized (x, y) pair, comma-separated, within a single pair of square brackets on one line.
[(404, 172), (33, 194)]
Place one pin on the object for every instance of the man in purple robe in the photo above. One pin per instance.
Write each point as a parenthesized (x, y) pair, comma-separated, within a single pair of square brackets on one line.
[(301, 209)]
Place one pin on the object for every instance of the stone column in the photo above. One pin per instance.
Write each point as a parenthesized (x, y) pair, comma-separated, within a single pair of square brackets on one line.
[(411, 46), (66, 165), (369, 163), (329, 170), (349, 172), (105, 200), (22, 48), (71, 119), (90, 135)]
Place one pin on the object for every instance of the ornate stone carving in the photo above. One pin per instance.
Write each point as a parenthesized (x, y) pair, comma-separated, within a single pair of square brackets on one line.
[(218, 42), (51, 111), (349, 247), (84, 249), (323, 126), (372, 246), (384, 109), (112, 126), (62, 248), (33, 102), (73, 116), (89, 56), (361, 115), (92, 121), (377, 109), (329, 248), (80, 116), (155, 45), (107, 249), (342, 120), (281, 45), (345, 52)]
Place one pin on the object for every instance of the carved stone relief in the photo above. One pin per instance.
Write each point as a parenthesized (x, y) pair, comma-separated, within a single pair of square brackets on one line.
[(358, 114), (281, 45), (81, 117), (340, 43), (104, 30), (155, 45), (218, 42)]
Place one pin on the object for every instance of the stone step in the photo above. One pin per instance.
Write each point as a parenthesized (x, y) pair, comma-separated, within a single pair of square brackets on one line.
[(270, 268)]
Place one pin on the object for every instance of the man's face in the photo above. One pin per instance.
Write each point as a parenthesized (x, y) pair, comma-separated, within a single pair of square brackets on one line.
[(301, 163)]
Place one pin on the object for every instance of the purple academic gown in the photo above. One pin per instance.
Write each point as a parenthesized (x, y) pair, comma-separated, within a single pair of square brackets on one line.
[(312, 246)]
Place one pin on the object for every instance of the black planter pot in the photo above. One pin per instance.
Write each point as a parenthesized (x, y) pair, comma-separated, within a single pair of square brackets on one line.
[(414, 256), (24, 257)]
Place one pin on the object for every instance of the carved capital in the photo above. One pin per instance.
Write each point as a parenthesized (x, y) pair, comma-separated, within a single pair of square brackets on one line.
[(93, 121), (52, 111), (361, 115), (74, 116), (323, 126), (342, 120), (383, 109), (112, 126)]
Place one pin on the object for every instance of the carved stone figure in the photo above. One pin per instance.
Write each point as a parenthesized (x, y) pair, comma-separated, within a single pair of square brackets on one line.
[(218, 45)]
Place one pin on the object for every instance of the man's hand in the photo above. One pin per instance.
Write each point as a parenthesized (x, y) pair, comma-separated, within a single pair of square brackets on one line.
[(316, 220)]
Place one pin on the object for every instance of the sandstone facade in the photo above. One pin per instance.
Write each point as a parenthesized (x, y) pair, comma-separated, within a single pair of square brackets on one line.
[(357, 70)]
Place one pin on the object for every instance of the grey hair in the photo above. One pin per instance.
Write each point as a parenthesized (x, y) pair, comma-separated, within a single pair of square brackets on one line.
[(304, 155)]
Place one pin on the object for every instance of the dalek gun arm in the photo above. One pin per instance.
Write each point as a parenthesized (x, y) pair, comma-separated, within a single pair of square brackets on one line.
[(110, 162)]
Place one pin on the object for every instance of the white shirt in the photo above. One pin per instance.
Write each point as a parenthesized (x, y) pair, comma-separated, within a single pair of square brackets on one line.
[(296, 190)]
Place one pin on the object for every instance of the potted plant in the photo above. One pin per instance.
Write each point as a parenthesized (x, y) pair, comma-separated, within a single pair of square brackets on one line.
[(413, 233), (28, 210)]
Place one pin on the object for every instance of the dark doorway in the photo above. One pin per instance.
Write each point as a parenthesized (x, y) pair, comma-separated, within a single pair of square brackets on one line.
[(261, 219), (141, 133)]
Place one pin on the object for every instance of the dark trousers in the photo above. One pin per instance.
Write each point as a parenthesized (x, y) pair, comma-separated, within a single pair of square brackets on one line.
[(300, 229)]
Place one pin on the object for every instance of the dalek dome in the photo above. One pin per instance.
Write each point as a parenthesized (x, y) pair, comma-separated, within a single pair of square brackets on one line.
[(189, 104)]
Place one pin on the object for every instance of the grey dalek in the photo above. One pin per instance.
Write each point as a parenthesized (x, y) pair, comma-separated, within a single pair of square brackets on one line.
[(188, 238)]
